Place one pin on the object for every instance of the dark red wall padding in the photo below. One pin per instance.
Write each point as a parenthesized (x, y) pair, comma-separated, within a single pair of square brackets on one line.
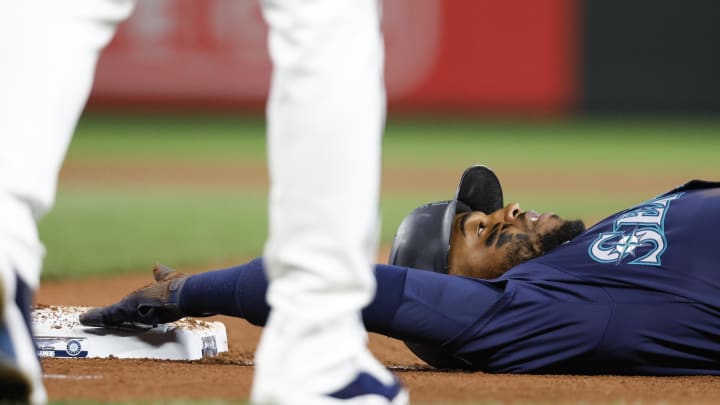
[(477, 56), (504, 56)]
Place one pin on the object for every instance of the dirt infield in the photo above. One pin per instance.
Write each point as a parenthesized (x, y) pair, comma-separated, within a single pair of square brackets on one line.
[(230, 376), (396, 178)]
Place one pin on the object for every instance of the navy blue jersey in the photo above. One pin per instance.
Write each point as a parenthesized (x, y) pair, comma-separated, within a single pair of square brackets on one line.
[(638, 293)]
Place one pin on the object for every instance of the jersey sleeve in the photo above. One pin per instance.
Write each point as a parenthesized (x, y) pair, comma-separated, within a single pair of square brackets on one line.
[(427, 310), (548, 322), (424, 309)]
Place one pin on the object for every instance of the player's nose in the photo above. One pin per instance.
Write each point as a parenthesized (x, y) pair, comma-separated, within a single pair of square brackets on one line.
[(512, 211)]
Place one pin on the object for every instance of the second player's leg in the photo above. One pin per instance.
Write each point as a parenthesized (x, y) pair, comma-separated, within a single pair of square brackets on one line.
[(46, 76), (50, 49), (325, 118)]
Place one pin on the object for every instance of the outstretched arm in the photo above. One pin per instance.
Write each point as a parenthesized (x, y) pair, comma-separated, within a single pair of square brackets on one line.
[(412, 305)]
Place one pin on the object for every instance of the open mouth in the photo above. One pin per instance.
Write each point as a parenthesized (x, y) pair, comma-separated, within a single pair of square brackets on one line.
[(534, 216)]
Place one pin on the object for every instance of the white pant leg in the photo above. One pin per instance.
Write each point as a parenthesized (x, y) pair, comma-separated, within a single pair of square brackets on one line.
[(48, 52), (49, 49), (325, 119)]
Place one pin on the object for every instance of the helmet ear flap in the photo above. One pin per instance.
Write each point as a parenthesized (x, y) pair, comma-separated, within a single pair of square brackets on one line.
[(460, 208), (421, 241)]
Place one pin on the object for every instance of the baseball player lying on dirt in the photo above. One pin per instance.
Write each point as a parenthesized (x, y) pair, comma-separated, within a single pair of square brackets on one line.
[(511, 291)]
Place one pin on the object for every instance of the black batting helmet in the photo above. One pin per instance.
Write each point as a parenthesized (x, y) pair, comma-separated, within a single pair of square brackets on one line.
[(422, 240)]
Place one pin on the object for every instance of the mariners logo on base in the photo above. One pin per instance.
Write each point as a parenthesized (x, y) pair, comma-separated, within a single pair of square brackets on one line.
[(61, 347)]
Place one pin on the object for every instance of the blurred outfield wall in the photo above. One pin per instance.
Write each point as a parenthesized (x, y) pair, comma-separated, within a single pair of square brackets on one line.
[(476, 56)]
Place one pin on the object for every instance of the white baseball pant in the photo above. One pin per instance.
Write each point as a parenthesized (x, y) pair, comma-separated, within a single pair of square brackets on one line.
[(325, 120), (49, 49)]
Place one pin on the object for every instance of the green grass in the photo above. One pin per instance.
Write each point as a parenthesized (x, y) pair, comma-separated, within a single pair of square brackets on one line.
[(100, 229), (110, 231), (115, 230), (188, 138), (637, 143)]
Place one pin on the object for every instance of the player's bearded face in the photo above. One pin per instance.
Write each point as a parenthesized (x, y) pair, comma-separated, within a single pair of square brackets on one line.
[(486, 246)]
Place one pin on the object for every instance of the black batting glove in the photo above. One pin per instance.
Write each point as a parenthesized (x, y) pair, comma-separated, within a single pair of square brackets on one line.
[(144, 308)]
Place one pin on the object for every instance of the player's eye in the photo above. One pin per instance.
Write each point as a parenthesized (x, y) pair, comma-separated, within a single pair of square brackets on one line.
[(480, 228)]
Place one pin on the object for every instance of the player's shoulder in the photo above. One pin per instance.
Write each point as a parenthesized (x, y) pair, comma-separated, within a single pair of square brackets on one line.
[(696, 184), (558, 276)]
